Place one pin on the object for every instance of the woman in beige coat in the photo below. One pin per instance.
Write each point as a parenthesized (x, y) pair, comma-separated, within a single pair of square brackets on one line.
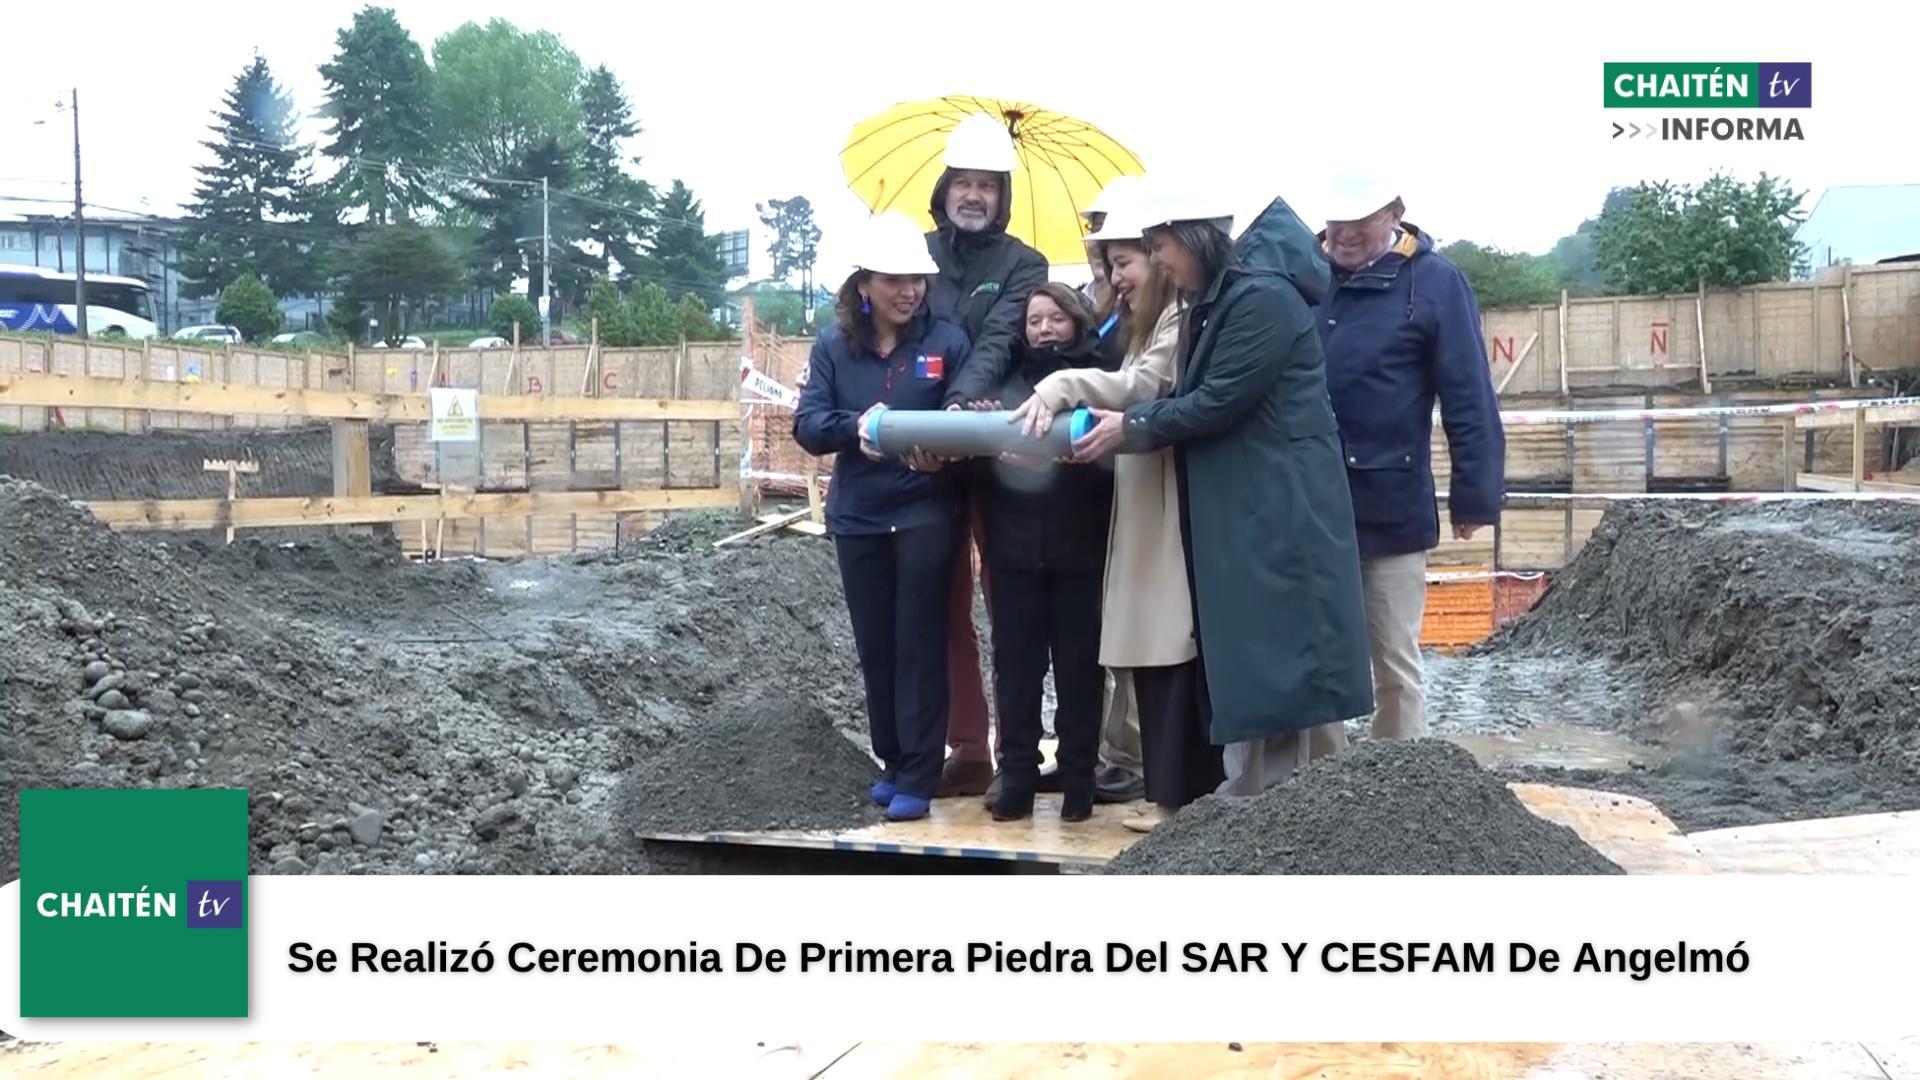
[(1146, 632)]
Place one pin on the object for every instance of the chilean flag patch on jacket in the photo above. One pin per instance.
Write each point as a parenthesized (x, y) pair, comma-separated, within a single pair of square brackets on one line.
[(930, 367)]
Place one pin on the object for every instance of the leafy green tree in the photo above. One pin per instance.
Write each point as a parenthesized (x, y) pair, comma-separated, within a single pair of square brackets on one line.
[(619, 213), (784, 310), (1503, 279), (682, 257), (511, 308), (380, 108), (396, 268), (498, 92), (696, 321), (248, 305), (1664, 238), (256, 208)]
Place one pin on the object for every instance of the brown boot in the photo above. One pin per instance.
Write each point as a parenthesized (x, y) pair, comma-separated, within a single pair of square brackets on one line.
[(959, 777)]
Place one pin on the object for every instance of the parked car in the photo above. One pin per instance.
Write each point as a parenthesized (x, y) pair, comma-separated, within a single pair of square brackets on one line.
[(408, 342), (300, 337), (214, 335), (490, 343)]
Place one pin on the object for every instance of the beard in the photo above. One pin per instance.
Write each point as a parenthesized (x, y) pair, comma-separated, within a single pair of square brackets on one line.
[(972, 220)]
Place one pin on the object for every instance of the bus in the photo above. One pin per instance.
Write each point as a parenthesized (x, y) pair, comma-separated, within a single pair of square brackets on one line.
[(39, 301)]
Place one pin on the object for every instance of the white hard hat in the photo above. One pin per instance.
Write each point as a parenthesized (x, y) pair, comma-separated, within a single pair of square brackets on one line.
[(1354, 199), (980, 142), (1120, 192), (893, 244), (1175, 204)]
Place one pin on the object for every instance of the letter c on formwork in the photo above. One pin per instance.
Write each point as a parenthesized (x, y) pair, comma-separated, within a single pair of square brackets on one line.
[(610, 381)]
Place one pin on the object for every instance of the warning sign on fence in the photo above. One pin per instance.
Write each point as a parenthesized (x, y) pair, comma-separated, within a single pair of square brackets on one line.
[(456, 414)]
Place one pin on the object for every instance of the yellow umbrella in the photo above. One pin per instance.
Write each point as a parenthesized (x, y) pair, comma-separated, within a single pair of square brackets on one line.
[(892, 161)]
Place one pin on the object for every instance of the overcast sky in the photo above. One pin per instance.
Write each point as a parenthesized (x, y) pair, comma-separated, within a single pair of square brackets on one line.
[(1488, 116)]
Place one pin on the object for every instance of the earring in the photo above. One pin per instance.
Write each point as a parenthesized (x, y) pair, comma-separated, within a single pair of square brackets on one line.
[(866, 306)]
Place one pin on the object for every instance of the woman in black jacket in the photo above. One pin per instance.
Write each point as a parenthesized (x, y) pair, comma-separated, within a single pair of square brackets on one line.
[(1046, 533)]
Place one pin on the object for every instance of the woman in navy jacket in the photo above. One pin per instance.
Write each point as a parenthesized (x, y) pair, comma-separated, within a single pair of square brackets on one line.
[(895, 522)]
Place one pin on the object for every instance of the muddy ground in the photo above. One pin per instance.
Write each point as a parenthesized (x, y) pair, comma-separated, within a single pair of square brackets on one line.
[(1756, 662), (1733, 664), (462, 716)]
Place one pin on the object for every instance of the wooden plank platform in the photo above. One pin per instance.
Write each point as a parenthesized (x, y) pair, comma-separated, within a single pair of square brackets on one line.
[(1630, 831), (1857, 844), (958, 828)]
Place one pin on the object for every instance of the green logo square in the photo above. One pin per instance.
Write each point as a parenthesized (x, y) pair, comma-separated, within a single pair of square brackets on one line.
[(109, 882)]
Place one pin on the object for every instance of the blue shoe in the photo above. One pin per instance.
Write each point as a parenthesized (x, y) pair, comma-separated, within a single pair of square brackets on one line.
[(882, 792), (906, 807)]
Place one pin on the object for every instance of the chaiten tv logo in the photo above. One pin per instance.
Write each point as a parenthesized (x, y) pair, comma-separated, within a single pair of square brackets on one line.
[(133, 904), (1687, 87)]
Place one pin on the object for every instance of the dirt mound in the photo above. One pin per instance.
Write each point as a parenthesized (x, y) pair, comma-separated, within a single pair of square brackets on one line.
[(766, 763), (466, 716), (1421, 807), (1786, 631)]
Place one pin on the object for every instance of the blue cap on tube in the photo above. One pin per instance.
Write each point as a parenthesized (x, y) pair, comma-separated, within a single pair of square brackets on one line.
[(1081, 423)]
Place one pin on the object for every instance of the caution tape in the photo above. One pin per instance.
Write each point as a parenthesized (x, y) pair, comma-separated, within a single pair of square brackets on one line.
[(1789, 408), (1482, 575), (766, 389)]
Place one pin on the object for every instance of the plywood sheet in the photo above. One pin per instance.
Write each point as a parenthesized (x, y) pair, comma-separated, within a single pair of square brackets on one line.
[(1630, 831), (1859, 844)]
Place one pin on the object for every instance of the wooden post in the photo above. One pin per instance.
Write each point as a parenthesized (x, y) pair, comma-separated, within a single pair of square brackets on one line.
[(1846, 325), (146, 372), (1563, 343), (352, 465), (86, 372), (1700, 335), (748, 491), (1859, 448), (1753, 308), (1817, 350), (1790, 473), (1617, 358)]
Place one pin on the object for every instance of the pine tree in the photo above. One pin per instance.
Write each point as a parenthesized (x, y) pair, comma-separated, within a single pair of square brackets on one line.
[(619, 219), (508, 211), (380, 104), (256, 208), (683, 259)]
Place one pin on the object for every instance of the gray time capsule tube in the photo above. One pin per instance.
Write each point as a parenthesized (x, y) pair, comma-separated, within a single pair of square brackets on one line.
[(960, 433)]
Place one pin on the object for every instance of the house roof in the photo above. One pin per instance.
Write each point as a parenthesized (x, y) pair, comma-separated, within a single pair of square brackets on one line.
[(1862, 223)]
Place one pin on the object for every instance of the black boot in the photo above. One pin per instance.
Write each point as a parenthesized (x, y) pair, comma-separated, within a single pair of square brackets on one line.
[(1015, 802), (1076, 801)]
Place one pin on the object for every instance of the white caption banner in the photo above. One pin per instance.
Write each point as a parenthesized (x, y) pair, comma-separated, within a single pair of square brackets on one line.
[(1828, 958)]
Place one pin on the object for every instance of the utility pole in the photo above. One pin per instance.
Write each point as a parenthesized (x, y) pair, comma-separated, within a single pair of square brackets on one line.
[(79, 230), (546, 270)]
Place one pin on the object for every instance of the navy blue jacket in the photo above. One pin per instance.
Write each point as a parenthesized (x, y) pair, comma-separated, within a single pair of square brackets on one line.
[(1398, 335), (843, 381)]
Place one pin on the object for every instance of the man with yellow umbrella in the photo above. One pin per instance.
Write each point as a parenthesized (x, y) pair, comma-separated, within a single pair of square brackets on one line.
[(985, 279)]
